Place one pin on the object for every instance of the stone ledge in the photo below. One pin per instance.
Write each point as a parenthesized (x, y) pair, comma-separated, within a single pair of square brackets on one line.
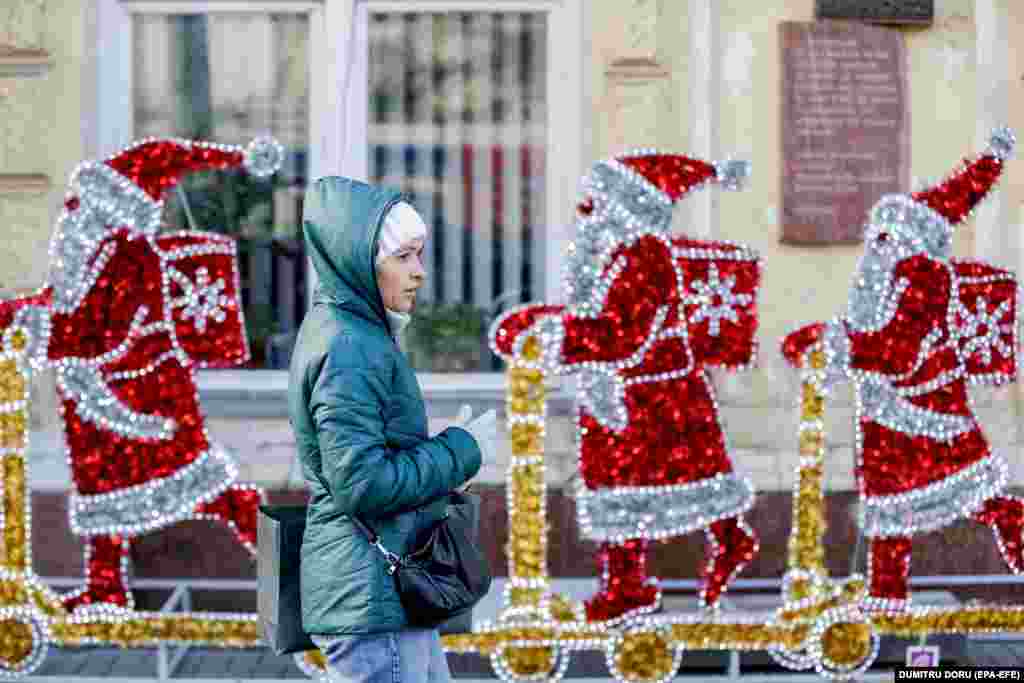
[(23, 62), (23, 183), (264, 393), (640, 68)]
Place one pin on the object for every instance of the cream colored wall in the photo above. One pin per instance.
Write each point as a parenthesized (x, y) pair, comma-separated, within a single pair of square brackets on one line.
[(39, 130), (801, 284), (1013, 183), (40, 135)]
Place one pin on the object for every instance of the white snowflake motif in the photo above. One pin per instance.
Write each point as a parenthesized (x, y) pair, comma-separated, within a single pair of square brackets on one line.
[(201, 300), (983, 330), (715, 300)]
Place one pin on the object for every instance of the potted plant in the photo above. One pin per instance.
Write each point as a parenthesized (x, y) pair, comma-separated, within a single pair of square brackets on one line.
[(446, 337)]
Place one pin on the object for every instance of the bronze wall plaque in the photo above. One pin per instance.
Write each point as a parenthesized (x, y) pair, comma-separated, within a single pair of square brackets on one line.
[(845, 126), (878, 11)]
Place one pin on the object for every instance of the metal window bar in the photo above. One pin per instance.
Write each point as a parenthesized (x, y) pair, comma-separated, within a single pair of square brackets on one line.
[(512, 212), (420, 113), (534, 62), (165, 665), (484, 138)]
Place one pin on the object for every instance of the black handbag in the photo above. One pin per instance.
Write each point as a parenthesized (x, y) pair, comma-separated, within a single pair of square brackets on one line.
[(447, 574), (279, 544)]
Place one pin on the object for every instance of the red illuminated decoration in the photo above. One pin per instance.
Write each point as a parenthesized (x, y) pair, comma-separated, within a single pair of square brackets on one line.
[(127, 317), (919, 328), (648, 313)]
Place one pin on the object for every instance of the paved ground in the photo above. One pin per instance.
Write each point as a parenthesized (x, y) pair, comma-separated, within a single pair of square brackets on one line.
[(200, 665), (207, 665)]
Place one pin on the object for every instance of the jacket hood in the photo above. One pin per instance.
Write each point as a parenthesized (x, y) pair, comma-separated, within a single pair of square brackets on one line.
[(341, 222)]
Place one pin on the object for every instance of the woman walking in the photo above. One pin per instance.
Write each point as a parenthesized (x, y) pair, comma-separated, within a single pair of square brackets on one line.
[(361, 434)]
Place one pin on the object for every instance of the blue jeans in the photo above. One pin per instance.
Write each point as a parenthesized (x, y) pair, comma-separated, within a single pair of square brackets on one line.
[(410, 656)]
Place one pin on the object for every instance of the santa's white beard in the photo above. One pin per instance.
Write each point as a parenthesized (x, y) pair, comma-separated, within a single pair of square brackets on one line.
[(873, 288)]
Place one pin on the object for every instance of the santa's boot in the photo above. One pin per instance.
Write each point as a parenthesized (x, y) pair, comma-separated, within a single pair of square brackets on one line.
[(106, 567), (731, 547), (238, 507), (1006, 517), (889, 570), (626, 590)]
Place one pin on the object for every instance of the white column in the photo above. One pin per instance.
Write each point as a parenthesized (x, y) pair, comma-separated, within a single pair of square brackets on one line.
[(698, 209), (997, 228), (997, 237), (338, 96), (111, 128), (345, 100)]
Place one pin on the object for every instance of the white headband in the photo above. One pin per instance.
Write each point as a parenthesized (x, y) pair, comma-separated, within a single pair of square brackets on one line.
[(401, 226)]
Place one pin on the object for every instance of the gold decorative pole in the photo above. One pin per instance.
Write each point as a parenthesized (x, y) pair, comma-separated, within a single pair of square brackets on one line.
[(528, 583), (806, 547), (13, 442), (26, 606)]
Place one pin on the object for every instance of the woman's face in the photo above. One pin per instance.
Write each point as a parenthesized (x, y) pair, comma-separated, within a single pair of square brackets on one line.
[(400, 275)]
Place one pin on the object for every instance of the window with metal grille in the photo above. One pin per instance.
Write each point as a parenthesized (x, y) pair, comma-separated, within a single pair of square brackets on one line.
[(458, 120), (229, 78)]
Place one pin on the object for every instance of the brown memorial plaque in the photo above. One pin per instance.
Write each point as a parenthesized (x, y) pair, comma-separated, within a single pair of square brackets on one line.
[(845, 126)]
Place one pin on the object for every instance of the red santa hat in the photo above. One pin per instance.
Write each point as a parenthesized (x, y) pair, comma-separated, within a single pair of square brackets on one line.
[(156, 165), (127, 191), (956, 197), (926, 218), (664, 178)]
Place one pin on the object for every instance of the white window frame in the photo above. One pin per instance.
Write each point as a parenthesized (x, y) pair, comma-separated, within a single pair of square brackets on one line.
[(337, 117)]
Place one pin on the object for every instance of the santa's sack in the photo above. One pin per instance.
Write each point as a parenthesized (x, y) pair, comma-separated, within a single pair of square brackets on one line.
[(278, 598)]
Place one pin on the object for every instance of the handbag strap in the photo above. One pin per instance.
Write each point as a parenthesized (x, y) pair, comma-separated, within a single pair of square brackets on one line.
[(394, 561)]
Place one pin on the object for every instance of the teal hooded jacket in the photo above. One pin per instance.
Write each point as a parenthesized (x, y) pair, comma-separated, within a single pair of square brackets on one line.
[(360, 423)]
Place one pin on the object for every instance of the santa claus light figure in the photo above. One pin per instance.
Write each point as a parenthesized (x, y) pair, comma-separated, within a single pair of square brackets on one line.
[(920, 327), (648, 312), (126, 318)]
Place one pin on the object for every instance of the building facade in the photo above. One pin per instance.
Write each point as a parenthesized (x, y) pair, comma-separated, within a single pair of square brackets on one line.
[(487, 113)]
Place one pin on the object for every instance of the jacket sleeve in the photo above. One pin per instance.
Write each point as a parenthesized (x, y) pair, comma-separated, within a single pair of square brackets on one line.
[(363, 474)]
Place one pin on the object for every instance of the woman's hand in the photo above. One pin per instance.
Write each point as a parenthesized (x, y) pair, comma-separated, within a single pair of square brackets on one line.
[(484, 429)]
